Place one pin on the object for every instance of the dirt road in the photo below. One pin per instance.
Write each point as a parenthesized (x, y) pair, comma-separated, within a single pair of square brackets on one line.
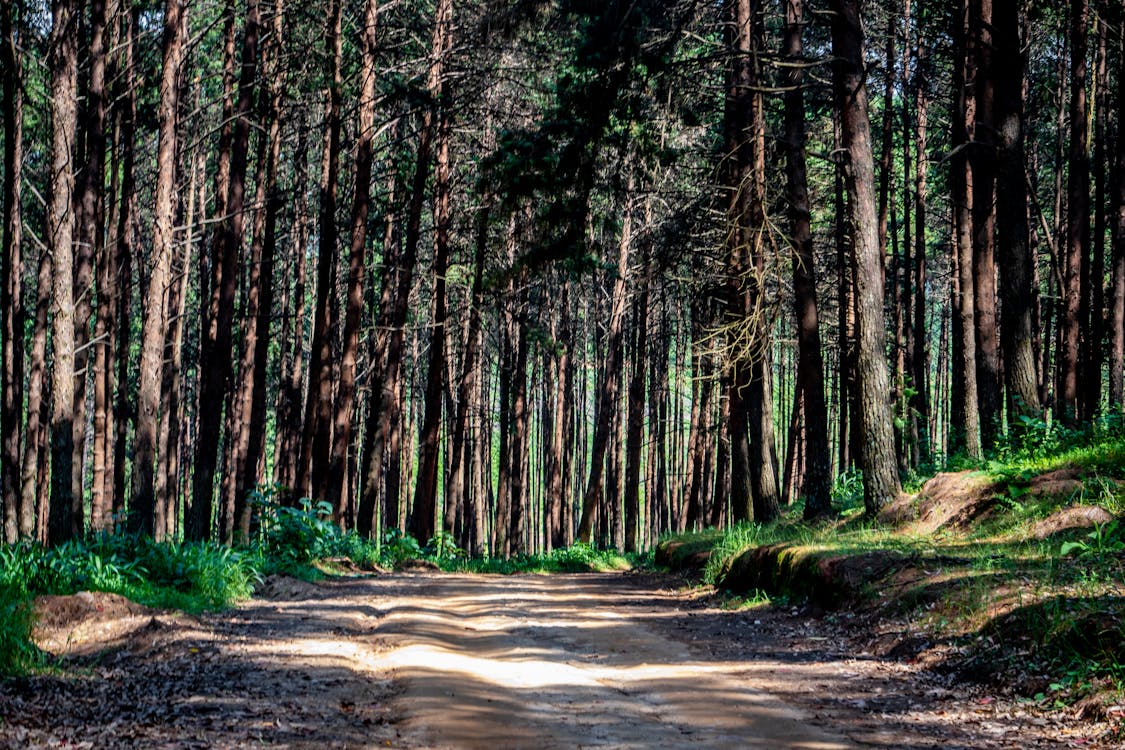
[(426, 660), (568, 662)]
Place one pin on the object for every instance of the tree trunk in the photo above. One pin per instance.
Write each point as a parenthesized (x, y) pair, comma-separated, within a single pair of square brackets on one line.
[(11, 282), (1117, 304), (90, 205), (611, 382), (635, 420), (345, 396), (881, 481), (982, 160), (1018, 291), (461, 465), (66, 483), (1078, 218), (424, 515), (316, 440), (817, 486), (964, 408), (291, 393), (920, 401), (215, 349), (1094, 321), (383, 414), (155, 326)]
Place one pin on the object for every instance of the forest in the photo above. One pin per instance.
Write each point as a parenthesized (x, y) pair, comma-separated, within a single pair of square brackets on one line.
[(524, 273), (817, 300)]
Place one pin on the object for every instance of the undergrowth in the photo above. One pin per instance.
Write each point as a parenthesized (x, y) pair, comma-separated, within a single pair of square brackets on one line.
[(1007, 600)]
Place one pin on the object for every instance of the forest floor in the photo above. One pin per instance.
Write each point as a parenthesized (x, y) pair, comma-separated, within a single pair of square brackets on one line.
[(433, 660)]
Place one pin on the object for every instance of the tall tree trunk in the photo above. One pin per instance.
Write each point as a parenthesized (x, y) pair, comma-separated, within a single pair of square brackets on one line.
[(259, 297), (810, 366), (920, 401), (155, 325), (424, 514), (386, 408), (519, 445), (291, 393), (345, 392), (316, 440), (635, 420), (1018, 291), (1078, 218), (1094, 322), (982, 161), (215, 349), (120, 328), (66, 483), (11, 281), (1117, 304), (881, 481), (964, 409), (461, 465), (90, 247), (611, 382)]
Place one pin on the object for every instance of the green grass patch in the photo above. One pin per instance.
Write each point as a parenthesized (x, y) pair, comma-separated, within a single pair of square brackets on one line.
[(578, 558)]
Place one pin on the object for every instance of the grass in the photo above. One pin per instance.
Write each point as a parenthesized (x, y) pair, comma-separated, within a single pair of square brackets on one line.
[(1005, 602)]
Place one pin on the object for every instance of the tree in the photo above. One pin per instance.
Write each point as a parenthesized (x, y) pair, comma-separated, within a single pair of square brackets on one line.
[(810, 366), (11, 267), (1017, 277), (66, 483), (156, 309), (1078, 218), (880, 475), (215, 348)]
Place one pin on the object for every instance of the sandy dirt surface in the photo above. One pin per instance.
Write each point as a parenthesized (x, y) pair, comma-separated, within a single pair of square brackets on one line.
[(426, 660)]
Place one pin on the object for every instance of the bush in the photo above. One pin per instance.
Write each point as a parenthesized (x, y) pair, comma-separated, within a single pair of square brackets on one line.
[(17, 652)]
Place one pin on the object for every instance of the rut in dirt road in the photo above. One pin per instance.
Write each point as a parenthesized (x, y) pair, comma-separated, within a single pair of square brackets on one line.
[(566, 662)]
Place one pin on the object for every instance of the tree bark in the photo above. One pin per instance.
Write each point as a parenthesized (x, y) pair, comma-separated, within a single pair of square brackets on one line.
[(66, 484), (611, 382), (11, 281), (1018, 291), (635, 420), (1117, 304), (154, 331), (817, 486), (215, 348), (964, 408), (424, 514), (1078, 218), (345, 392), (881, 481), (316, 440), (982, 160)]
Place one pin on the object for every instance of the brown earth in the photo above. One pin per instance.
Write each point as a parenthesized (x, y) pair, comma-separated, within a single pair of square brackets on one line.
[(425, 660)]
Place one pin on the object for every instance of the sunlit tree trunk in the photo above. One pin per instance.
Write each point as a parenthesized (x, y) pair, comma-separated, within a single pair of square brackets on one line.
[(881, 481), (66, 484)]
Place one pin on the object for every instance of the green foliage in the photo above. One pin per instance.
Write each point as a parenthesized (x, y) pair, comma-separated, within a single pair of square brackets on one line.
[(1105, 539), (847, 492), (442, 546), (296, 535), (193, 576), (578, 558), (400, 546), (17, 653)]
